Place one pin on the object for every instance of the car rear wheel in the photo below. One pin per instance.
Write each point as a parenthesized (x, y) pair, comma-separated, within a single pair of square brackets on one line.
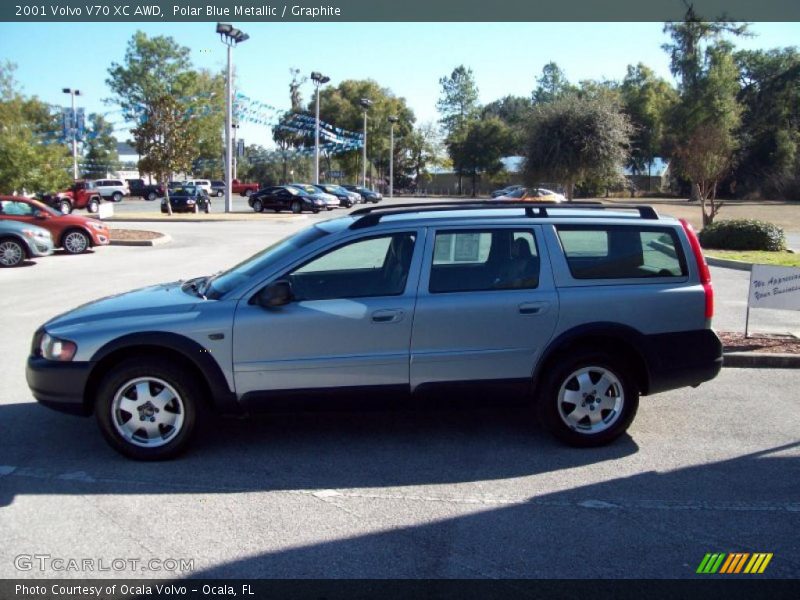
[(297, 207), (588, 400), (151, 196), (117, 197), (258, 206), (11, 253), (93, 205), (76, 242), (248, 193), (147, 409), (65, 206)]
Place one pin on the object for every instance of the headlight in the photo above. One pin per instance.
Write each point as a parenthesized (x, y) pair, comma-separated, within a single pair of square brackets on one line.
[(318, 201), (190, 201), (37, 233), (98, 226), (53, 348)]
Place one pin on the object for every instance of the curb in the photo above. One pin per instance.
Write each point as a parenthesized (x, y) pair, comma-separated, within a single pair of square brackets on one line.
[(727, 263), (760, 360), (163, 239)]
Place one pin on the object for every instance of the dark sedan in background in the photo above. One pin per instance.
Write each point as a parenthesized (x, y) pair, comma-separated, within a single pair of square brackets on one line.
[(367, 194), (284, 197), (187, 199)]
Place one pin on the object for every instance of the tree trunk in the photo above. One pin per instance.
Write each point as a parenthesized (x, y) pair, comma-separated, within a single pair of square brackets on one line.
[(570, 189), (166, 194), (474, 183)]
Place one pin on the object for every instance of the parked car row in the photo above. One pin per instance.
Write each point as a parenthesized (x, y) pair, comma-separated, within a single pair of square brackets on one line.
[(297, 197), (29, 229)]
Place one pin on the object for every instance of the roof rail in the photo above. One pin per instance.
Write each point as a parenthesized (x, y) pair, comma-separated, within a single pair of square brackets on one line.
[(371, 215)]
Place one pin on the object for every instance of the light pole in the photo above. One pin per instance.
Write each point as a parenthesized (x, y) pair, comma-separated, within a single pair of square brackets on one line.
[(392, 121), (365, 103), (230, 36), (235, 126), (72, 94), (319, 79)]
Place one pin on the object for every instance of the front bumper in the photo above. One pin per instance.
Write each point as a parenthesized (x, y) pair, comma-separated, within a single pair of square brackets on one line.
[(39, 246), (59, 385)]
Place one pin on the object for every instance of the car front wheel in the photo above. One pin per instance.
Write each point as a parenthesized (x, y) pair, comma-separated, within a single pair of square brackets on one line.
[(76, 242), (297, 208), (151, 196), (11, 253), (588, 400), (148, 410), (117, 197), (65, 206), (258, 206)]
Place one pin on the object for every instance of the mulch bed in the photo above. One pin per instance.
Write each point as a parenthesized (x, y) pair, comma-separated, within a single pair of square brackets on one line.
[(133, 235), (769, 343)]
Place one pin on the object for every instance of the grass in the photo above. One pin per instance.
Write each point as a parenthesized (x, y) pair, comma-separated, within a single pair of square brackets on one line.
[(780, 259)]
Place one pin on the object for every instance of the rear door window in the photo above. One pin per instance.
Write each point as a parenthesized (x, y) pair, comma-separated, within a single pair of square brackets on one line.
[(621, 252), (481, 260)]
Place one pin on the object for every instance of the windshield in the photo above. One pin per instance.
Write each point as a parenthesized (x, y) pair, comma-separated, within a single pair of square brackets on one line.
[(43, 207), (223, 283)]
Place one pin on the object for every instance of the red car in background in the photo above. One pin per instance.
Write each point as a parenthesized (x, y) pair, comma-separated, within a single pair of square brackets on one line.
[(73, 233)]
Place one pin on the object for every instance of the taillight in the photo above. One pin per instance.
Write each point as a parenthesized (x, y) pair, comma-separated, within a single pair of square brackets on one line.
[(702, 266)]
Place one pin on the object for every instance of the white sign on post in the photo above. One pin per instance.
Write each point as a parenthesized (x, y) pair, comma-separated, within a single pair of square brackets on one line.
[(773, 287)]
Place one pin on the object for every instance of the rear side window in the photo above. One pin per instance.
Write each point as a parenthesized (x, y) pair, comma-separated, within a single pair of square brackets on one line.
[(481, 260), (621, 252)]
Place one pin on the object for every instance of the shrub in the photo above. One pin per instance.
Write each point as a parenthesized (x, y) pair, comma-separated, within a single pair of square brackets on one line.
[(743, 234)]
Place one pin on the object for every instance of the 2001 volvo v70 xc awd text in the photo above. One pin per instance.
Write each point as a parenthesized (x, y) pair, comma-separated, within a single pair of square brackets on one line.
[(579, 308)]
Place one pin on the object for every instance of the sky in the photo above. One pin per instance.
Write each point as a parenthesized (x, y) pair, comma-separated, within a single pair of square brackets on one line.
[(408, 58)]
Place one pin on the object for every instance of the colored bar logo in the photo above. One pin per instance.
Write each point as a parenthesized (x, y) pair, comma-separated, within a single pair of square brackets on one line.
[(734, 562)]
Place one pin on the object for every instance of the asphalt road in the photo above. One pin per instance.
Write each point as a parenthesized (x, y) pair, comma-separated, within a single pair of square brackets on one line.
[(477, 493)]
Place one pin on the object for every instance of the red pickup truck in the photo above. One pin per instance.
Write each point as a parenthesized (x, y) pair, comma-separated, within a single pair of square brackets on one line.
[(243, 189)]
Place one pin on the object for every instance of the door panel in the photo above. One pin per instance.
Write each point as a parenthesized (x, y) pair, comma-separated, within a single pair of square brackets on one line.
[(485, 334), (341, 342)]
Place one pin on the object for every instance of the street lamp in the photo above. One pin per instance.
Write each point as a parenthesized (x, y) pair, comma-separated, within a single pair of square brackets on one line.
[(365, 104), (235, 127), (72, 94), (230, 36), (392, 121), (319, 79)]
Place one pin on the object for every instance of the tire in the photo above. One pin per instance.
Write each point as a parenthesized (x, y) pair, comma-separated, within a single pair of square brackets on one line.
[(297, 207), (588, 400), (93, 206), (65, 206), (247, 193), (117, 197), (76, 241), (258, 206), (161, 426), (12, 252), (151, 196)]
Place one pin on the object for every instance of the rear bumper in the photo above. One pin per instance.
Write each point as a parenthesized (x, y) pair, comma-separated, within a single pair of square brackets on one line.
[(59, 385), (686, 358)]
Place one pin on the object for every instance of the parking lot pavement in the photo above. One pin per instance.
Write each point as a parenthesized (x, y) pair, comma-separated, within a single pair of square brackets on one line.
[(477, 493)]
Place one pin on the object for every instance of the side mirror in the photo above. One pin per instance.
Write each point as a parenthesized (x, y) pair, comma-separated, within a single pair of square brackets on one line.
[(41, 214), (277, 293)]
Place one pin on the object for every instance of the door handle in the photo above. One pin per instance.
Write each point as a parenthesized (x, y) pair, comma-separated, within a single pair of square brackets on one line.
[(387, 316), (533, 308)]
